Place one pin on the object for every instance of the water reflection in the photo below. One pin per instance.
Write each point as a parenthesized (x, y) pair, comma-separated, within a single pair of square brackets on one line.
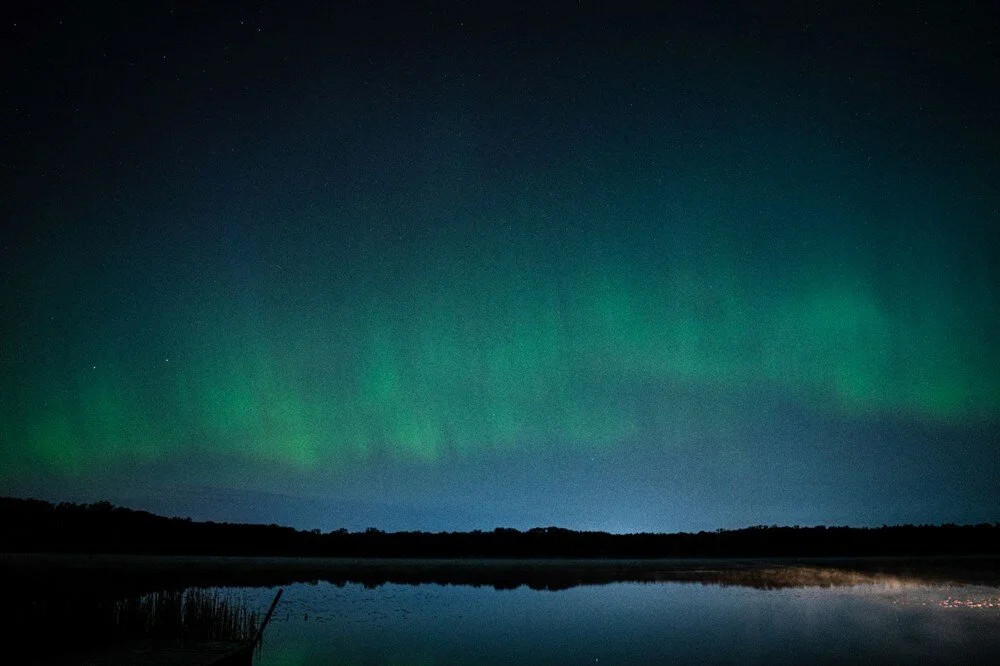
[(633, 623), (557, 611), (125, 573)]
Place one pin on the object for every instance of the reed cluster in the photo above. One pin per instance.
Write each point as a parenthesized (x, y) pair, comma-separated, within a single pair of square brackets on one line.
[(192, 614)]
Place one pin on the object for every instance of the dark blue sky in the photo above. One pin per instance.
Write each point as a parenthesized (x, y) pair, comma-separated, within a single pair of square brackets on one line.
[(451, 268)]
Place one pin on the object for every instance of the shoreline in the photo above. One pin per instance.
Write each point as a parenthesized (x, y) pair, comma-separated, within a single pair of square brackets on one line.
[(121, 571)]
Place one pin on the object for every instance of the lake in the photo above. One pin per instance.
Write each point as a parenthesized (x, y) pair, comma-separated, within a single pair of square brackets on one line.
[(628, 623), (610, 612)]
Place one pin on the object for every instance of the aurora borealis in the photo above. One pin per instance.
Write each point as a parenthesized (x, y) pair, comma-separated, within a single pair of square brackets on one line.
[(445, 269)]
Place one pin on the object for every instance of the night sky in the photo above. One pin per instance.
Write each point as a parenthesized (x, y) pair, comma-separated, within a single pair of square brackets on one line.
[(445, 268)]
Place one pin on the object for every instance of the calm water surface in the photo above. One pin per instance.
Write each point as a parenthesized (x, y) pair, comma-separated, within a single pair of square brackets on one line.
[(680, 622)]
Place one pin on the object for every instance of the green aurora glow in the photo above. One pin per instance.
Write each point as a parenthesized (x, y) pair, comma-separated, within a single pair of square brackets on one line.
[(658, 241), (505, 342)]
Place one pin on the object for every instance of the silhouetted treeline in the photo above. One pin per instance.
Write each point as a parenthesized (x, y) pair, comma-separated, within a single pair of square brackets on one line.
[(115, 576), (37, 526)]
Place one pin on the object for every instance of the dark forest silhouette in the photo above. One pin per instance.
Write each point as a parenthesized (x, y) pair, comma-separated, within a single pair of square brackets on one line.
[(38, 526)]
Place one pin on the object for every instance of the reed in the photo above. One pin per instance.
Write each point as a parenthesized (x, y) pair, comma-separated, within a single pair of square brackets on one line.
[(193, 614), (68, 621)]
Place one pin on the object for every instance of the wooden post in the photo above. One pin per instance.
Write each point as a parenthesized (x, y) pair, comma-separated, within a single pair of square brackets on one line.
[(267, 618)]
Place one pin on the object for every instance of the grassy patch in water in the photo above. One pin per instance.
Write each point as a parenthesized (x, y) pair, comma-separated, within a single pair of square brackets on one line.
[(77, 621), (193, 614)]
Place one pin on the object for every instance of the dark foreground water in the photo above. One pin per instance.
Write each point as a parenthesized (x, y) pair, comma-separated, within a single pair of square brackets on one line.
[(922, 611), (629, 623)]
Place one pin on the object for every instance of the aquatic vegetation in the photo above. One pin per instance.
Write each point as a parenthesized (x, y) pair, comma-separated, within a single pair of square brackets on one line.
[(193, 614), (63, 621)]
